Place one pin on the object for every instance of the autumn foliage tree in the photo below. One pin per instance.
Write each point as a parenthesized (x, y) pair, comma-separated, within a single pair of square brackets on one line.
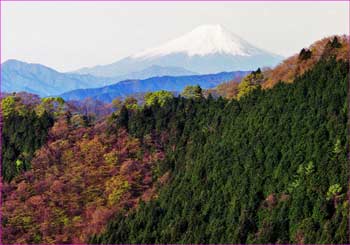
[(78, 180)]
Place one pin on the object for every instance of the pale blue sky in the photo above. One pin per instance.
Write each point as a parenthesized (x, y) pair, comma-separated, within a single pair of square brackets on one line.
[(71, 35)]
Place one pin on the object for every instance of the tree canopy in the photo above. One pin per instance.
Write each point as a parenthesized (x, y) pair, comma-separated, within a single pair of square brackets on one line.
[(192, 92), (158, 97)]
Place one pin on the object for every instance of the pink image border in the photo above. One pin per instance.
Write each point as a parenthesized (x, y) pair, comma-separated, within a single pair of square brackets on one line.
[(152, 1)]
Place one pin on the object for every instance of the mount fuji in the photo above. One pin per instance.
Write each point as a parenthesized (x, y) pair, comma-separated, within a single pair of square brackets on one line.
[(206, 49)]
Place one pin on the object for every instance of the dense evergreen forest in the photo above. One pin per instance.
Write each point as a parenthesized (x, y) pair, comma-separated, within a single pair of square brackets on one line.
[(23, 132), (269, 168)]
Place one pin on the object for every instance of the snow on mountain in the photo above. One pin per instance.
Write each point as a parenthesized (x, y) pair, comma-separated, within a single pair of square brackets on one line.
[(206, 49), (204, 40)]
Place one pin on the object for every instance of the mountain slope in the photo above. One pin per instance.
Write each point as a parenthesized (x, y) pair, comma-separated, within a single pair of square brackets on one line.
[(296, 65), (35, 78), (128, 87), (206, 49), (292, 67), (269, 168)]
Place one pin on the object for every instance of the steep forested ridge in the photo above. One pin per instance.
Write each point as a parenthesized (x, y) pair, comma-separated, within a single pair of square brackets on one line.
[(269, 168)]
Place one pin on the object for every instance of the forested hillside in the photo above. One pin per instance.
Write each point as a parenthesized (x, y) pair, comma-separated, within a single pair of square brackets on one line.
[(337, 46), (290, 68), (241, 163), (269, 168)]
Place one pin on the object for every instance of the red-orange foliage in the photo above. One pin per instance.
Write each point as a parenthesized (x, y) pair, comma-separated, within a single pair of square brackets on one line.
[(293, 66), (65, 197), (227, 90), (289, 68)]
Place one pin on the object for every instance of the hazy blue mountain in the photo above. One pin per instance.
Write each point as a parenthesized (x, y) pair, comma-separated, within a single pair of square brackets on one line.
[(154, 71), (206, 49), (169, 83), (19, 76), (158, 71)]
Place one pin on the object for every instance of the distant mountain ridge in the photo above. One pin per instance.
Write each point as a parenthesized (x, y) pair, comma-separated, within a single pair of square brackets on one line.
[(169, 83), (206, 49), (157, 71), (17, 76)]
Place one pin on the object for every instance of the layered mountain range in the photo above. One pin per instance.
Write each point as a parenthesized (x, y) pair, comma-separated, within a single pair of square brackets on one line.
[(169, 83), (19, 76), (208, 49)]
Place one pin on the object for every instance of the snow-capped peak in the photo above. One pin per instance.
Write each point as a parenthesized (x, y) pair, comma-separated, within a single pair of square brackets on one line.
[(203, 40)]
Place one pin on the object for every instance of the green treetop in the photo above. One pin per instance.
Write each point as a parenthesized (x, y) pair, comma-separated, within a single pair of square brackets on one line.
[(192, 92), (249, 83), (131, 103), (159, 97)]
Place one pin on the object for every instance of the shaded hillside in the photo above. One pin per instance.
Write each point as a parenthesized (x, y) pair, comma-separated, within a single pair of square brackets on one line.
[(125, 88), (269, 168)]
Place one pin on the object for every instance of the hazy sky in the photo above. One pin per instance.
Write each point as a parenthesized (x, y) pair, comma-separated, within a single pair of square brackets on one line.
[(71, 35)]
